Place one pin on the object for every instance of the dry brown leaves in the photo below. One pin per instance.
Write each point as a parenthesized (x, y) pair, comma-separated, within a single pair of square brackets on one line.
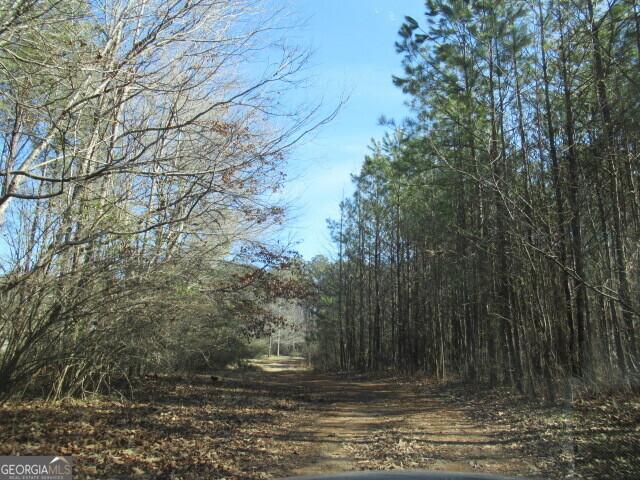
[(177, 428), (592, 438)]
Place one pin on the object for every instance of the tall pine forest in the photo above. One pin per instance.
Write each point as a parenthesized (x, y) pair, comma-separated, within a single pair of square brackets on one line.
[(493, 236)]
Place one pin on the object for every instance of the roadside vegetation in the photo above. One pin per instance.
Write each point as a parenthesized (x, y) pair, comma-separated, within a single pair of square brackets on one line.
[(494, 235), (141, 143)]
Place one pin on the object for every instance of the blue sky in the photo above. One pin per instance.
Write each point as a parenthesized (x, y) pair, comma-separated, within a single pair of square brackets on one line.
[(353, 54)]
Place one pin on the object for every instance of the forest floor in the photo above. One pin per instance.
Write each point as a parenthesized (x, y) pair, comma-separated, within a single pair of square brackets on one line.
[(281, 419)]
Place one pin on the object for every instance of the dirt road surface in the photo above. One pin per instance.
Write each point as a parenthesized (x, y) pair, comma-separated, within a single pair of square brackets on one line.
[(358, 424)]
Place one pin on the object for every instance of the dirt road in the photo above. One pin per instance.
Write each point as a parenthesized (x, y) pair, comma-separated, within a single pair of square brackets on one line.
[(356, 424)]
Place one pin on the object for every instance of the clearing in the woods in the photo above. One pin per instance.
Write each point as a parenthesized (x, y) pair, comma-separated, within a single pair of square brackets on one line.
[(278, 419)]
